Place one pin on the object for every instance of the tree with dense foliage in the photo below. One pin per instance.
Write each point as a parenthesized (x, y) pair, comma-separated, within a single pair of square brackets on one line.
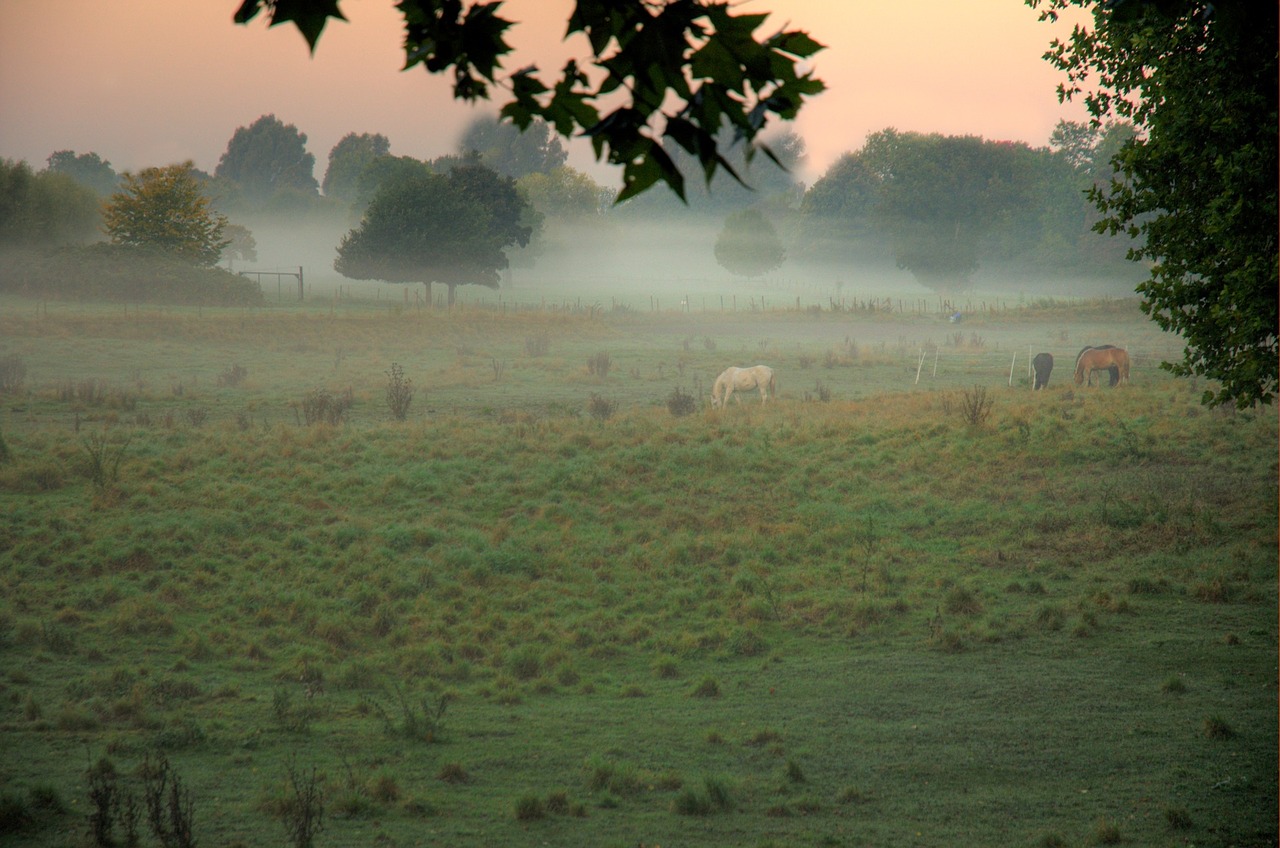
[(88, 169), (165, 211), (348, 159), (268, 157), (241, 245), (940, 197), (512, 152), (565, 194), (43, 209), (749, 245), (672, 73), (1197, 187), (449, 228)]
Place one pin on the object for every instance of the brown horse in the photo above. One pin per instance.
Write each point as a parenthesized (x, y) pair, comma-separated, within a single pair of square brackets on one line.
[(1102, 358)]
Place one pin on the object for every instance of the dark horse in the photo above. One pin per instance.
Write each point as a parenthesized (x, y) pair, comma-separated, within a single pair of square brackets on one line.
[(1109, 358), (1043, 366)]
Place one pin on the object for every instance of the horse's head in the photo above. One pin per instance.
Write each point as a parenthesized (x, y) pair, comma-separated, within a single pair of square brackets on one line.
[(715, 401)]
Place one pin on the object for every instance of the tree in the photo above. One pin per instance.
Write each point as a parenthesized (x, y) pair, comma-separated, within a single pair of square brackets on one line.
[(44, 209), (511, 152), (88, 169), (164, 210), (564, 194), (444, 228), (1196, 188), (749, 245), (940, 197), (240, 245), (673, 73), (268, 157), (348, 159)]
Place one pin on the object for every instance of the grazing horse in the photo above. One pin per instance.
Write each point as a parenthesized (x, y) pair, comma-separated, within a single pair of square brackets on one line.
[(1043, 366), (742, 380), (1102, 358)]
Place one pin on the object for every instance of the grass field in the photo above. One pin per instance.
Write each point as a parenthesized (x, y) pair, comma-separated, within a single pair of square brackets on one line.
[(910, 603)]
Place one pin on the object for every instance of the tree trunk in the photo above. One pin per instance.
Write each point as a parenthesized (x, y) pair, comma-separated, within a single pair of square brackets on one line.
[(452, 287), (428, 285)]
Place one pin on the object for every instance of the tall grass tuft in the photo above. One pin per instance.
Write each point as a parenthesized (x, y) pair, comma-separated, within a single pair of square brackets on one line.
[(103, 459)]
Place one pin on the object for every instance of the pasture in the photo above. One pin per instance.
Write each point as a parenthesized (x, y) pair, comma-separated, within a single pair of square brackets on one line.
[(909, 603)]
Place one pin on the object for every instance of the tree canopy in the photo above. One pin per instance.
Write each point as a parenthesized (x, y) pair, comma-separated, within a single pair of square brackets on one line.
[(1197, 186), (511, 152), (749, 245), (268, 157), (670, 73), (449, 228), (165, 211), (88, 169), (43, 209), (348, 159)]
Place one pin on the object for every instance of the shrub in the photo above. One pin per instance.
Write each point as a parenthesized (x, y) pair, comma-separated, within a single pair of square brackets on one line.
[(681, 403), (601, 408), (170, 806), (103, 459), (598, 365), (1178, 818), (399, 392), (303, 813), (321, 407), (975, 406)]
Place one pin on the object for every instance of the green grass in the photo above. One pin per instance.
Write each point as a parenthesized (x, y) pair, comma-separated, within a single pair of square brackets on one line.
[(505, 620)]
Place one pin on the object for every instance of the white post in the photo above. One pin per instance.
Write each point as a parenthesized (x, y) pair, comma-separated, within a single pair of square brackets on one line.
[(918, 367), (1011, 364)]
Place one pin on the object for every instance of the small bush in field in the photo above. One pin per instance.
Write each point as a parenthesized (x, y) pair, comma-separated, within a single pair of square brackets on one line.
[(1215, 727), (399, 392), (975, 406), (321, 407), (598, 365), (601, 409), (681, 403), (708, 688)]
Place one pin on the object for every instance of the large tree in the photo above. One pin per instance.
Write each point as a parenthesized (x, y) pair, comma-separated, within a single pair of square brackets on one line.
[(44, 209), (165, 211), (449, 228), (671, 73), (749, 245), (348, 159), (1197, 186), (268, 157), (507, 150), (88, 169)]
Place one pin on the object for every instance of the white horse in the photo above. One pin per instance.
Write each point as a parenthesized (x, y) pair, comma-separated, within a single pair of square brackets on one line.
[(742, 380)]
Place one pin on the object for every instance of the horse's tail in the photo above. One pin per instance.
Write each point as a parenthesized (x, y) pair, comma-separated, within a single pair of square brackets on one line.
[(773, 385)]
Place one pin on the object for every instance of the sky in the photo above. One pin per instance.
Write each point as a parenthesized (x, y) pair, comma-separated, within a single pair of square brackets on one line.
[(152, 82)]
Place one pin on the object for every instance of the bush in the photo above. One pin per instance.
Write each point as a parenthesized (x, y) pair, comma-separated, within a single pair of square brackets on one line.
[(681, 403), (321, 407), (598, 365), (601, 408), (399, 392)]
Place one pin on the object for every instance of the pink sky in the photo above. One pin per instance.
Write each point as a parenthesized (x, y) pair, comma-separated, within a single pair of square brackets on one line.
[(149, 82)]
